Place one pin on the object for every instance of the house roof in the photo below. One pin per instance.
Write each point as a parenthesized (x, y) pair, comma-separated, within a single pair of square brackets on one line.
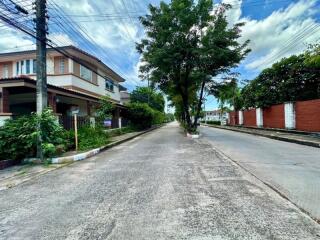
[(119, 78)]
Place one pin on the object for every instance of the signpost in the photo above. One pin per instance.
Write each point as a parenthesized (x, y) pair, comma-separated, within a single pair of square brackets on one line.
[(75, 111)]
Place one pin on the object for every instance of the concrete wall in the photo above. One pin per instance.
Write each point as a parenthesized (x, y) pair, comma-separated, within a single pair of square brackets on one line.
[(273, 117)]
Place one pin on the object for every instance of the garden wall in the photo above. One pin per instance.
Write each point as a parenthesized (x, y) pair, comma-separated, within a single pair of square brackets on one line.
[(249, 118), (302, 115), (233, 118), (308, 115), (273, 117)]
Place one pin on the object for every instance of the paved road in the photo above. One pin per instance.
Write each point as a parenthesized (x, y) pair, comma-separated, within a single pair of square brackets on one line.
[(159, 186), (293, 169)]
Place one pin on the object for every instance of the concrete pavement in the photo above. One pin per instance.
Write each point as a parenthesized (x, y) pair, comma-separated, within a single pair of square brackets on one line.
[(303, 138), (158, 186), (291, 168)]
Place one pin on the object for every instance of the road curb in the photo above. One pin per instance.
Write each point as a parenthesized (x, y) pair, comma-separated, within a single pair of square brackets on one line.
[(297, 141), (93, 152)]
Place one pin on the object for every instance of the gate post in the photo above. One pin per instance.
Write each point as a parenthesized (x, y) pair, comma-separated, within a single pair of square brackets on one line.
[(259, 117), (290, 115)]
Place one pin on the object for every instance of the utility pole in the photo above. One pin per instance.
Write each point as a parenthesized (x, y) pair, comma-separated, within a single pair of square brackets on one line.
[(149, 92), (41, 52)]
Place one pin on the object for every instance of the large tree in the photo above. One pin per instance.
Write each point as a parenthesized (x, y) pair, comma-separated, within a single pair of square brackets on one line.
[(188, 43), (148, 95)]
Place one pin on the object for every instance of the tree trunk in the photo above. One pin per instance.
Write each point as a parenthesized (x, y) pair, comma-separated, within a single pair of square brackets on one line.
[(196, 117), (186, 112)]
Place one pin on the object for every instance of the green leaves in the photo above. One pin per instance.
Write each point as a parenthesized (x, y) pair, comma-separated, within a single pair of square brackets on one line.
[(148, 95), (291, 79), (105, 108), (18, 137), (142, 116), (188, 42)]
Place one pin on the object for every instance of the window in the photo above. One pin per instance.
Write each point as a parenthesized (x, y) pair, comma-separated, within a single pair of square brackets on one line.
[(22, 71), (85, 73), (5, 73), (28, 66), (109, 85), (34, 66), (61, 65), (17, 68)]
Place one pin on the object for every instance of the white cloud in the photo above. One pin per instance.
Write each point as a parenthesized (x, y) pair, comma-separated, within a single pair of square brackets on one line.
[(233, 14), (14, 41), (62, 39), (283, 33), (117, 37)]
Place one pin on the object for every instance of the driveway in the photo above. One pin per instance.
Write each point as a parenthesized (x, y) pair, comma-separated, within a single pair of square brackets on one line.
[(159, 186)]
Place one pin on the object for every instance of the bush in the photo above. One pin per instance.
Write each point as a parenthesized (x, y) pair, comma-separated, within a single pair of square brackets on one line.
[(212, 122), (18, 137), (169, 117), (158, 117), (119, 131), (141, 115), (90, 137)]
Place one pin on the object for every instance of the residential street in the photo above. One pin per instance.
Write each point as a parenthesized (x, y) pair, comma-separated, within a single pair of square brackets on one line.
[(291, 168), (159, 186)]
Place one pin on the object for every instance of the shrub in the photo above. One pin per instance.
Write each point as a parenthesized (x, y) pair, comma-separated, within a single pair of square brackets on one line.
[(169, 117), (119, 131), (90, 137), (158, 117), (140, 115), (49, 149), (213, 122), (18, 137)]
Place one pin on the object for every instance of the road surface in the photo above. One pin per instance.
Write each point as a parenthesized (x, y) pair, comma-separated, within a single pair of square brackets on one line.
[(291, 168), (159, 186)]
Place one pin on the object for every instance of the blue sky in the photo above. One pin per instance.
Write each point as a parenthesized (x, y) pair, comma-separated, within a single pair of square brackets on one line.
[(276, 29)]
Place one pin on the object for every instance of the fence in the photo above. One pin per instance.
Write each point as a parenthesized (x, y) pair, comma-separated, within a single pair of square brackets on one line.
[(68, 122), (301, 115)]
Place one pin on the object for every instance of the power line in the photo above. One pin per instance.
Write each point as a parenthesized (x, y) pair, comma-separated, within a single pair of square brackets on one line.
[(81, 32), (292, 42)]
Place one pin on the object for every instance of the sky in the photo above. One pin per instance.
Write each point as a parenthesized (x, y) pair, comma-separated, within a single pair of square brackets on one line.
[(275, 28)]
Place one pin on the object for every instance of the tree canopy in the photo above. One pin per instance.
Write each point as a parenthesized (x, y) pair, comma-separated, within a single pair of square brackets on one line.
[(291, 79), (188, 43), (149, 96)]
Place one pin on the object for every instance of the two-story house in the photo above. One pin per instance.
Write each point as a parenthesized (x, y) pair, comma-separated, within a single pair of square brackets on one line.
[(215, 115), (78, 80)]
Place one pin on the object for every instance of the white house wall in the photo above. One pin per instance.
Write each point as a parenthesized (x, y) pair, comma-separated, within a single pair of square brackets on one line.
[(50, 65), (80, 83), (60, 80), (115, 95)]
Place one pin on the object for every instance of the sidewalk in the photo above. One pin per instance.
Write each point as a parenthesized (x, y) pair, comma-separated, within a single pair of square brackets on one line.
[(16, 175), (302, 138)]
